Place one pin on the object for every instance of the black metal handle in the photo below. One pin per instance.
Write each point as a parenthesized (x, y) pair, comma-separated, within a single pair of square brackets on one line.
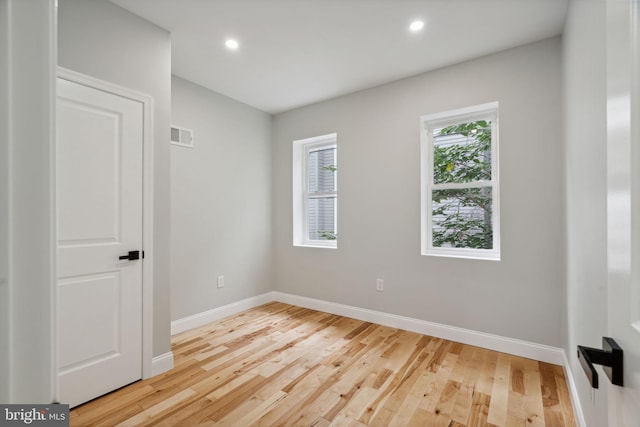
[(132, 255), (610, 357)]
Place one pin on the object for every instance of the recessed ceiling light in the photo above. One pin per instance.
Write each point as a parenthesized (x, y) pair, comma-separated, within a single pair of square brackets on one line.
[(416, 26), (232, 44)]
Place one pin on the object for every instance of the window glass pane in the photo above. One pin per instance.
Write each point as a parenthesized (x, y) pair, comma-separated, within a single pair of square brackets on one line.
[(462, 218), (321, 217), (462, 152), (322, 167)]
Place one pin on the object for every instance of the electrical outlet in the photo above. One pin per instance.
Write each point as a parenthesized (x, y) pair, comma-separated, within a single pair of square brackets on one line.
[(380, 285), (221, 281)]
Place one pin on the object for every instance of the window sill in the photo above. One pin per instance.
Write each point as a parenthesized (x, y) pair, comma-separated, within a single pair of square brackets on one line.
[(492, 256), (308, 245)]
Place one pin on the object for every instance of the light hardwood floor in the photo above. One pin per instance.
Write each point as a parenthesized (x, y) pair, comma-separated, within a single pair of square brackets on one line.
[(279, 364)]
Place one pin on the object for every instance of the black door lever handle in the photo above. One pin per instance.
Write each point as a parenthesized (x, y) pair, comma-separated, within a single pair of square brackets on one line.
[(610, 357), (132, 255)]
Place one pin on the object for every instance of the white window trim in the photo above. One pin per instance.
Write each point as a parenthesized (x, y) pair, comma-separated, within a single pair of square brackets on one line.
[(301, 149), (427, 124)]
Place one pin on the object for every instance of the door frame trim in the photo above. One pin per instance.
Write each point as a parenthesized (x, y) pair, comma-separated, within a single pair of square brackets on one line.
[(147, 201)]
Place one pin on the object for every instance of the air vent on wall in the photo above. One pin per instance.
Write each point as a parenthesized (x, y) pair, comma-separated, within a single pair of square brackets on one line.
[(181, 136)]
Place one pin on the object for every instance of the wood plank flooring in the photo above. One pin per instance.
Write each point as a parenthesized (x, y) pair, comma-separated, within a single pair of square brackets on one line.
[(281, 365)]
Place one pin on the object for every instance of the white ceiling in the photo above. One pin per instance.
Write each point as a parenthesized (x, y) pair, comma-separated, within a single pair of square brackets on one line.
[(297, 52)]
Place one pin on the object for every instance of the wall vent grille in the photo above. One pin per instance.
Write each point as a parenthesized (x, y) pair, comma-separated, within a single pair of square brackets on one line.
[(181, 136)]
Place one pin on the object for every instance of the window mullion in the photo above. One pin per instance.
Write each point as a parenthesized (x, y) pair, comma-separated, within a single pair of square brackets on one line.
[(462, 185), (323, 195)]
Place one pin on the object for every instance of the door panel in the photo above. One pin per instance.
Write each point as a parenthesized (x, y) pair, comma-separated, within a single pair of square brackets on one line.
[(90, 298), (96, 195), (99, 201)]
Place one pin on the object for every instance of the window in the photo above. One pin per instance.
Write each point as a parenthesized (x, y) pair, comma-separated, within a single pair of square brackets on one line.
[(315, 192), (460, 201)]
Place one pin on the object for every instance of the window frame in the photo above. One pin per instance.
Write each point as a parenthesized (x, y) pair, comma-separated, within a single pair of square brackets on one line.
[(301, 150), (427, 125)]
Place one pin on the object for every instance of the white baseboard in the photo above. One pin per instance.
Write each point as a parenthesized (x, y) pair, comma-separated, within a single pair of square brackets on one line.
[(218, 313), (573, 391), (543, 353), (161, 364)]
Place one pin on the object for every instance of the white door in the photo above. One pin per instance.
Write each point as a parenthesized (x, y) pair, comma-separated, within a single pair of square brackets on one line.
[(623, 210), (99, 202)]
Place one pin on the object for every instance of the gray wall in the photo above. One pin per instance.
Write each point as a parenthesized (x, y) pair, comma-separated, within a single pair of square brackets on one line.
[(105, 41), (586, 188), (521, 296), (221, 201)]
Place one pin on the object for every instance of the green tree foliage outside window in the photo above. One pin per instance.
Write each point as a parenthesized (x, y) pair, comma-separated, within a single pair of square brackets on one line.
[(462, 218), (328, 235)]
